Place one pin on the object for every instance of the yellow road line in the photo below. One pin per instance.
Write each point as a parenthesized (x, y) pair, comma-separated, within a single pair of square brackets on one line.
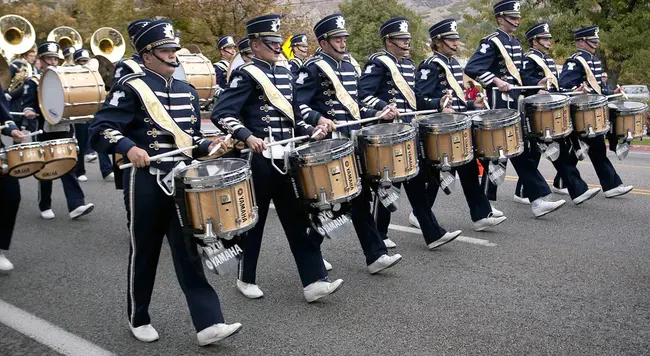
[(635, 191)]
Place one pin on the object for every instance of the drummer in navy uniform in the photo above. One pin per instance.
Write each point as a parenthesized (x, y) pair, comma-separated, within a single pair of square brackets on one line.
[(497, 63), (258, 102), (125, 125), (538, 64), (226, 46), (133, 64), (317, 102), (48, 52), (585, 67), (300, 49), (9, 189), (388, 78), (439, 79)]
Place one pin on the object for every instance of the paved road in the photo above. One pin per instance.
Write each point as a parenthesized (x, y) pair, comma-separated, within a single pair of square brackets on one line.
[(576, 282)]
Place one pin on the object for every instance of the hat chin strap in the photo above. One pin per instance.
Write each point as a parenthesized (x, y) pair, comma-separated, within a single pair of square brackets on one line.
[(505, 18), (400, 47), (271, 49), (174, 64), (590, 45), (334, 49)]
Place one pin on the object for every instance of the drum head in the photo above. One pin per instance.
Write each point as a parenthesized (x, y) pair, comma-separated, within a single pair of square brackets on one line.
[(324, 146), (53, 103), (543, 99), (179, 73), (630, 107), (588, 100), (214, 168), (496, 115), (387, 129), (443, 118)]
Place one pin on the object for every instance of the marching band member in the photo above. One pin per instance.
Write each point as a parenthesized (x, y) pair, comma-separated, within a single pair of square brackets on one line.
[(300, 50), (244, 47), (436, 77), (68, 56), (583, 67), (388, 78), (258, 102), (226, 46), (133, 64), (497, 63), (326, 91), (146, 114), (9, 189), (21, 67), (81, 57), (536, 65), (48, 52)]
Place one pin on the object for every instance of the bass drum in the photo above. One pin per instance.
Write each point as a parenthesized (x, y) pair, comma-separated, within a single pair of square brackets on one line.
[(197, 69), (70, 94)]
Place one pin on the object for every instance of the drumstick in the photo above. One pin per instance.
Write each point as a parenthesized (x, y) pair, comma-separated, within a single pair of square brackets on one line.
[(622, 92), (162, 155), (221, 144), (34, 133), (281, 142), (363, 121), (19, 113), (421, 112), (615, 95), (316, 133)]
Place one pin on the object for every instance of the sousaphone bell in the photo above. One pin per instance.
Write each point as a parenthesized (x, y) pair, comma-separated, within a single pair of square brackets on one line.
[(108, 47), (66, 36), (17, 36)]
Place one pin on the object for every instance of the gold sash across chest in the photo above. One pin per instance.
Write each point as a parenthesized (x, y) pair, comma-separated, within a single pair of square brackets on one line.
[(591, 78), (272, 92), (159, 114), (341, 93), (547, 71), (399, 80), (133, 65), (510, 65), (451, 79)]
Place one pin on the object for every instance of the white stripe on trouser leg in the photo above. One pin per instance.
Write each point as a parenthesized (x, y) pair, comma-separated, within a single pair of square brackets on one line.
[(132, 233)]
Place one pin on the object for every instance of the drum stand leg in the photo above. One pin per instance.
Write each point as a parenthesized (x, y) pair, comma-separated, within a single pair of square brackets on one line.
[(547, 136), (623, 148), (590, 132)]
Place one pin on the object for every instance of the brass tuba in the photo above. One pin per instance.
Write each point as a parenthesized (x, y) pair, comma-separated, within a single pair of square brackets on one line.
[(17, 36), (66, 36), (108, 42)]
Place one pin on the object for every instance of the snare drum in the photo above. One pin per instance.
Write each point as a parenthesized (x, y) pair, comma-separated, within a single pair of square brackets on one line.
[(60, 158), (497, 134), (220, 193), (70, 94), (213, 135), (198, 70), (326, 171), (628, 118), (589, 114), (548, 116), (388, 151), (447, 138), (22, 160)]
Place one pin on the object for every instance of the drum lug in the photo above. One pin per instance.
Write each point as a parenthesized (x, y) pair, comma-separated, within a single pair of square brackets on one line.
[(21, 156), (547, 136), (5, 168), (41, 152)]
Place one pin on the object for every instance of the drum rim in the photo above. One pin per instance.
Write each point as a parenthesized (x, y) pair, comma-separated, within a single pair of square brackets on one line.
[(28, 145), (602, 101), (408, 127), (59, 141), (448, 127), (225, 180), (565, 101), (312, 159), (513, 119), (628, 111), (388, 139)]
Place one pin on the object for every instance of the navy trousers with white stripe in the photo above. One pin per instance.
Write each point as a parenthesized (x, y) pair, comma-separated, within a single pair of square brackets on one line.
[(151, 215), (10, 201), (73, 193), (269, 185)]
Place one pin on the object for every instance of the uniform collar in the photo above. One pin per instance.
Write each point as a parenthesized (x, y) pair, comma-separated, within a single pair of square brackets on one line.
[(330, 59), (584, 53), (442, 56), (538, 52), (159, 78), (263, 63), (505, 33)]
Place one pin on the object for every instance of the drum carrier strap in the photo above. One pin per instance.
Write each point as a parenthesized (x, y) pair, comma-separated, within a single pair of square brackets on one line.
[(159, 115), (547, 71), (133, 65), (512, 68), (590, 75), (452, 80), (340, 91), (270, 90), (399, 81)]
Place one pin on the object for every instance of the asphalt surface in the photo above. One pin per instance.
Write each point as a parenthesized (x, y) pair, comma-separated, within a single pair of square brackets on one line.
[(576, 282)]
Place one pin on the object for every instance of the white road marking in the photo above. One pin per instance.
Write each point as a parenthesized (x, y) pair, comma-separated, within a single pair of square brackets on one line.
[(462, 238), (46, 333), (414, 230)]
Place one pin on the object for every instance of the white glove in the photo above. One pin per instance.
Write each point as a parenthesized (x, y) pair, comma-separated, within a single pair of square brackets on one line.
[(8, 96)]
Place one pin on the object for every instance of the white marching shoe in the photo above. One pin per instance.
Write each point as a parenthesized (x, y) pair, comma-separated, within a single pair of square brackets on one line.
[(251, 291), (590, 193), (320, 289), (413, 220), (389, 243), (217, 332), (446, 238), (328, 266), (47, 214), (521, 200), (618, 191), (81, 211), (5, 264), (561, 191), (542, 207), (496, 212), (384, 262), (82, 178), (488, 222), (145, 333)]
